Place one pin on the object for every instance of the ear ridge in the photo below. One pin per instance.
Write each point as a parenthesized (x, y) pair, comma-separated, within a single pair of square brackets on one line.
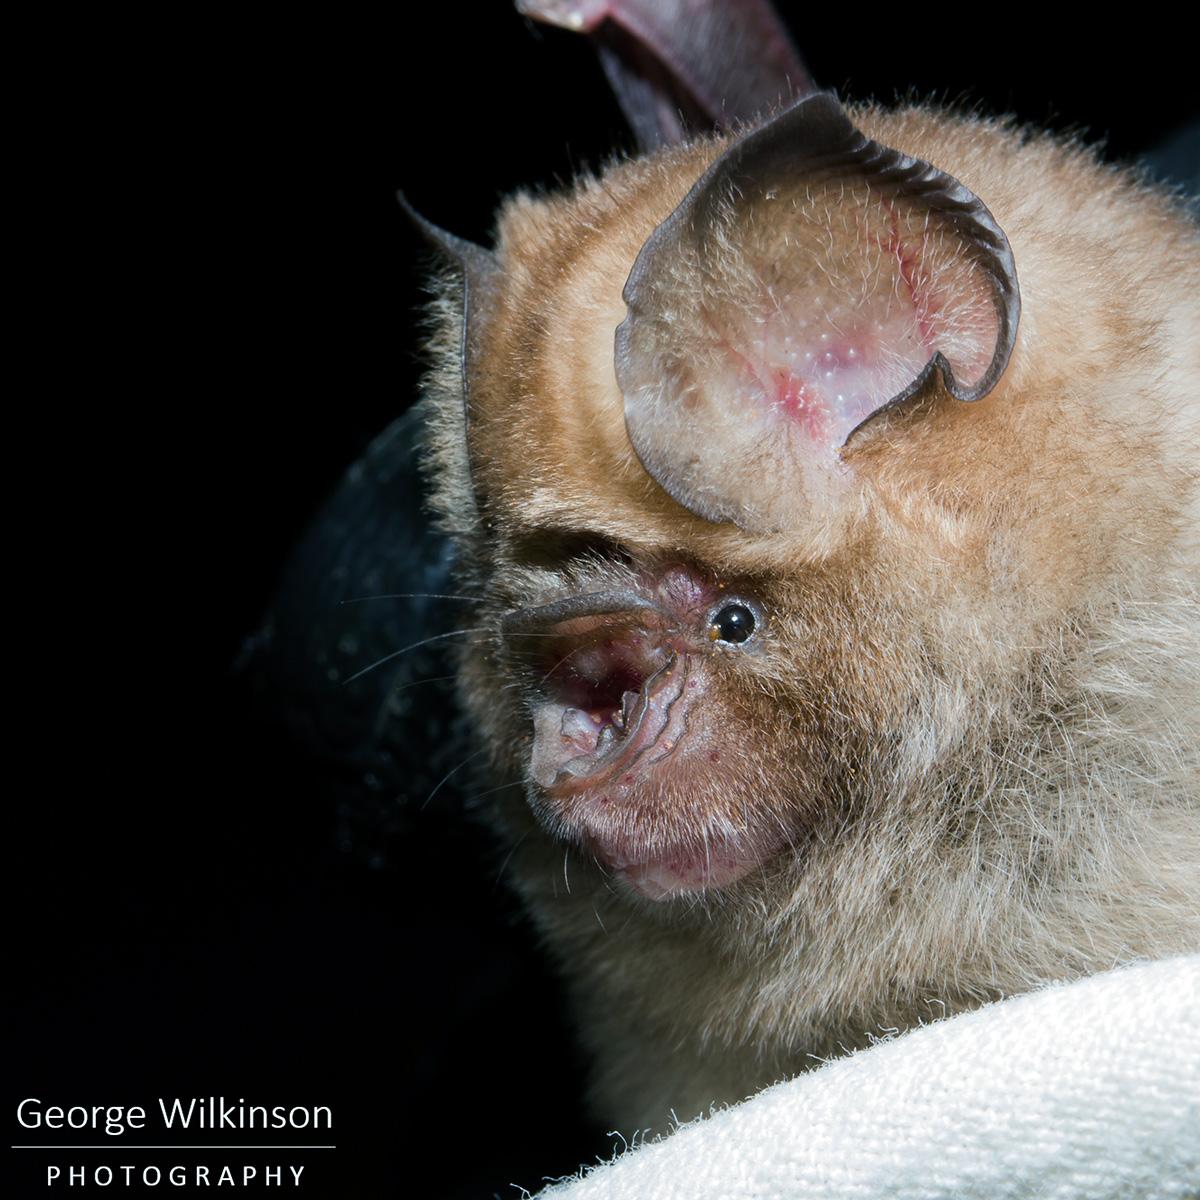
[(811, 279), (480, 272)]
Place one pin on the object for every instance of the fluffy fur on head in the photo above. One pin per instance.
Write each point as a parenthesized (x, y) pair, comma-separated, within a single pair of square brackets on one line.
[(960, 754)]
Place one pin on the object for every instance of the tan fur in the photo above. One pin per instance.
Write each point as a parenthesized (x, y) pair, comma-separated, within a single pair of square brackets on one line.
[(979, 710)]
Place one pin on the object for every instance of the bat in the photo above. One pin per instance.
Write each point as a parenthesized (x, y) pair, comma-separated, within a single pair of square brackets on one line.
[(826, 489)]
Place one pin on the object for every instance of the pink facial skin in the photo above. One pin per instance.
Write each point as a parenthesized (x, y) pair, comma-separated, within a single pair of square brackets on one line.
[(630, 737)]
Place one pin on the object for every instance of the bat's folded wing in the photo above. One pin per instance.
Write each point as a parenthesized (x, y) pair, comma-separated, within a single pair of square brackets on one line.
[(676, 65), (1082, 1091)]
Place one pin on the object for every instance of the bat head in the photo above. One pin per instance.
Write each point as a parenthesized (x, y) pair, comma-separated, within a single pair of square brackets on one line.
[(739, 467)]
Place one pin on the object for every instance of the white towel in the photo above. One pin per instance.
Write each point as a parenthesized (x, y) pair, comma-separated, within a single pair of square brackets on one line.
[(1081, 1091)]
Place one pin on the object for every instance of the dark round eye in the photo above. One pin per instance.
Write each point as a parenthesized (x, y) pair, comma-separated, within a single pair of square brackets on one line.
[(733, 623)]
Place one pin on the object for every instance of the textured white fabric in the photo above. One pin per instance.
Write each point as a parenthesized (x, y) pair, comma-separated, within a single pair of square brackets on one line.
[(1084, 1091)]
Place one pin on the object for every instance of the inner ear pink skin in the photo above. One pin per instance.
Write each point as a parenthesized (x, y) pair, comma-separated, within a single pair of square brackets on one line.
[(811, 279), (830, 382), (827, 349)]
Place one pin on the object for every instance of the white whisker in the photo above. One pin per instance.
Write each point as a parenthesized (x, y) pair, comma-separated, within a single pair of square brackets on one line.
[(437, 637), (437, 788), (408, 596)]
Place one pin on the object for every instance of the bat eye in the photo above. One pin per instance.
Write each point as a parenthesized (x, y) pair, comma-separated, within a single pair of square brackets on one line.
[(734, 623)]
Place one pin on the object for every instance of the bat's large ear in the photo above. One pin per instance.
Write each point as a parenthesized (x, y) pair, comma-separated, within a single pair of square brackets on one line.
[(810, 280), (479, 271)]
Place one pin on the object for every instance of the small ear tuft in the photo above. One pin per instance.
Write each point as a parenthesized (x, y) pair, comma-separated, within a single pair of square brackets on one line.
[(811, 279)]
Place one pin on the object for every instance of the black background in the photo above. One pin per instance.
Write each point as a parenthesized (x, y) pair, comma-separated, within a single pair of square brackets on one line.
[(219, 316)]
